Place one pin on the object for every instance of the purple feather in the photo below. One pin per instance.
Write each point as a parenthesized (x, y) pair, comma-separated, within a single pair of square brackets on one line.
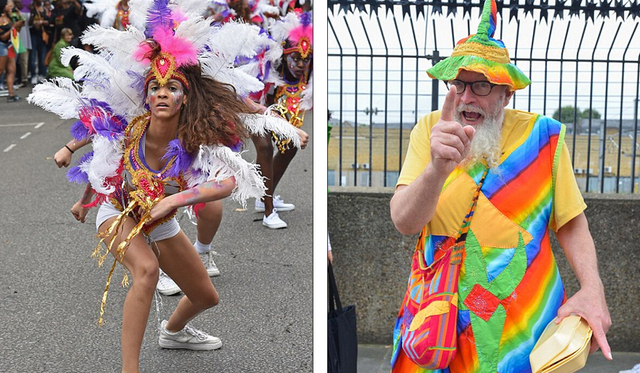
[(183, 159), (106, 126), (159, 16), (75, 174), (79, 131), (138, 81), (305, 19), (236, 147), (267, 68)]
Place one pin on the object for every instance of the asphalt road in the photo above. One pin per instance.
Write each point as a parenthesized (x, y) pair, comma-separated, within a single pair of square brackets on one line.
[(50, 288)]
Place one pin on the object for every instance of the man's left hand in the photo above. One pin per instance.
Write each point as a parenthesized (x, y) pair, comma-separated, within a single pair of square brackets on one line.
[(590, 304)]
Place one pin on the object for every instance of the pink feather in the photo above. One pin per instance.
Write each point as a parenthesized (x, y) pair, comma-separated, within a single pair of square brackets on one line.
[(299, 32), (181, 49)]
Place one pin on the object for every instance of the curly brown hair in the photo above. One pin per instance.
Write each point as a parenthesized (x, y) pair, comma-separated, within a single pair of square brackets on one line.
[(211, 114)]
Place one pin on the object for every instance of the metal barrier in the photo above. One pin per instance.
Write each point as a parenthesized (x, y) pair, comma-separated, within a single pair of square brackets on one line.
[(582, 57)]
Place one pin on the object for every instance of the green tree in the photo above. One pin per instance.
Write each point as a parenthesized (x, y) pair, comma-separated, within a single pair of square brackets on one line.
[(593, 113), (567, 113)]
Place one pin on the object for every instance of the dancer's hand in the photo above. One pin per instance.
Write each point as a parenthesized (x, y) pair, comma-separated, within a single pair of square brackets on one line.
[(79, 212), (162, 208), (304, 138), (62, 157)]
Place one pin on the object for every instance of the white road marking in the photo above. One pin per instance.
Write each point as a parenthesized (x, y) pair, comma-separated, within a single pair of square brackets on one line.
[(9, 147), (25, 135), (39, 125), (19, 124)]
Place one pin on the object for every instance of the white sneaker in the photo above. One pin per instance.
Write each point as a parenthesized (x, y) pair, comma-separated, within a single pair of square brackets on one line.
[(34, 80), (273, 221), (188, 338), (277, 203), (166, 286), (209, 264)]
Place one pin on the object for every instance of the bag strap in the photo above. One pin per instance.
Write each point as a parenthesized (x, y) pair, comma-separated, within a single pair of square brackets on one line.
[(334, 297), (464, 228), (458, 246)]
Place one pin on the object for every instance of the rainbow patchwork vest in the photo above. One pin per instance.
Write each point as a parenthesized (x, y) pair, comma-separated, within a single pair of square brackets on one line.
[(509, 285)]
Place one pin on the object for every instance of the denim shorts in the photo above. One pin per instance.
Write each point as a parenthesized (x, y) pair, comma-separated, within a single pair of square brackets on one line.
[(4, 49)]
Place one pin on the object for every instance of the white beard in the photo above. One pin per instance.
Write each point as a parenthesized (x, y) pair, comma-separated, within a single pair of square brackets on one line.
[(486, 140)]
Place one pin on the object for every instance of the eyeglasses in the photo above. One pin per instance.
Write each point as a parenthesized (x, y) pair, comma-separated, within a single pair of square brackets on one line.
[(480, 88)]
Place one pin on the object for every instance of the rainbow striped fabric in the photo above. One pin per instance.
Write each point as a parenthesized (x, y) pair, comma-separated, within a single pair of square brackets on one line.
[(509, 285)]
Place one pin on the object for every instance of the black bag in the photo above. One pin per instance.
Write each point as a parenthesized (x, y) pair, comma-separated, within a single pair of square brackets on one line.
[(343, 340)]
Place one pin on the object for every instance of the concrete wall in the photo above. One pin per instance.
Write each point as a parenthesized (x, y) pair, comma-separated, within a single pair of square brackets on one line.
[(372, 260)]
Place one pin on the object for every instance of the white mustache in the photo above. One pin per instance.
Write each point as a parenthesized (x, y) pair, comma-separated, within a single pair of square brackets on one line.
[(470, 109)]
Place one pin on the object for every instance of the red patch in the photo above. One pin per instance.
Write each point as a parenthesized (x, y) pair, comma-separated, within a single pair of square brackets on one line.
[(481, 302)]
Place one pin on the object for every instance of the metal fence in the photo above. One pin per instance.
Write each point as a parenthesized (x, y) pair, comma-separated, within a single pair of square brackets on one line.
[(583, 59)]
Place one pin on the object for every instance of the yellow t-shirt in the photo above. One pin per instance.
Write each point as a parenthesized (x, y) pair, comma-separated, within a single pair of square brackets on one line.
[(568, 200)]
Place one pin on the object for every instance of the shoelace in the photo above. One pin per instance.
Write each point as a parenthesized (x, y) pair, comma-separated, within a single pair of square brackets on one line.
[(196, 333)]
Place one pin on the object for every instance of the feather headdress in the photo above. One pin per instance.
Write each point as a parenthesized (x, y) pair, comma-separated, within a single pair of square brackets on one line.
[(295, 31)]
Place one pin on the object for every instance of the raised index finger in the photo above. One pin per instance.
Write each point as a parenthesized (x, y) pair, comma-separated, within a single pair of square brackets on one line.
[(449, 105)]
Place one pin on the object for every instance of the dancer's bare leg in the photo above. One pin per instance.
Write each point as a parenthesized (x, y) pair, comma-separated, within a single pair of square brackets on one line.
[(264, 150), (142, 263), (179, 259), (280, 164), (209, 219)]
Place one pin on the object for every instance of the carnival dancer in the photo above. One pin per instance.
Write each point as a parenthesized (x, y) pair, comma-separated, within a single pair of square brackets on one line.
[(114, 13), (290, 96), (162, 134)]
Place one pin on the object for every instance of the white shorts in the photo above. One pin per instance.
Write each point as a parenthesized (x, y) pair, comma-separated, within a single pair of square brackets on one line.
[(163, 231)]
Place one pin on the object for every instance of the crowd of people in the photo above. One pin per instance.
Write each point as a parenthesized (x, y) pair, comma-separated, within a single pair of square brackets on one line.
[(166, 134), (33, 32)]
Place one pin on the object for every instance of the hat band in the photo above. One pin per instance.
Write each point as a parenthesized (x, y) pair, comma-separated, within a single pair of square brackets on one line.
[(303, 47), (495, 54)]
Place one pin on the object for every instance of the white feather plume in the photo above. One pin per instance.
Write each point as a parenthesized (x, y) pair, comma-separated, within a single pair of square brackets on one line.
[(193, 7), (219, 163), (107, 155), (120, 45), (60, 96), (263, 124), (108, 18), (105, 82), (97, 8), (281, 29), (196, 30), (224, 72), (138, 10)]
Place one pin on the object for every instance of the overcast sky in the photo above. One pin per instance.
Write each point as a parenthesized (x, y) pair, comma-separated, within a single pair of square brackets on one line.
[(571, 38)]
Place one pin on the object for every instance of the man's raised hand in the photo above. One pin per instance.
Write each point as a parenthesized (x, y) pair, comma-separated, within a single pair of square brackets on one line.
[(450, 141)]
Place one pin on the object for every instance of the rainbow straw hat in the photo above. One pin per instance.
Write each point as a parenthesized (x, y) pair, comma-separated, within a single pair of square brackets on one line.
[(483, 54)]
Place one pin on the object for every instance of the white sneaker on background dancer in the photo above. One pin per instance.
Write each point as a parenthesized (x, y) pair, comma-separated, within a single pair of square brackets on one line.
[(206, 256), (278, 203), (166, 286), (273, 221), (188, 338)]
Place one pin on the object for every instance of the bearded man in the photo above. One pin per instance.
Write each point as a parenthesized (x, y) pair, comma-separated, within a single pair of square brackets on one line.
[(527, 188)]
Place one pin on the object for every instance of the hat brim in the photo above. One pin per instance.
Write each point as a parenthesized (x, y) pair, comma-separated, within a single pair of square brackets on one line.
[(497, 73)]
